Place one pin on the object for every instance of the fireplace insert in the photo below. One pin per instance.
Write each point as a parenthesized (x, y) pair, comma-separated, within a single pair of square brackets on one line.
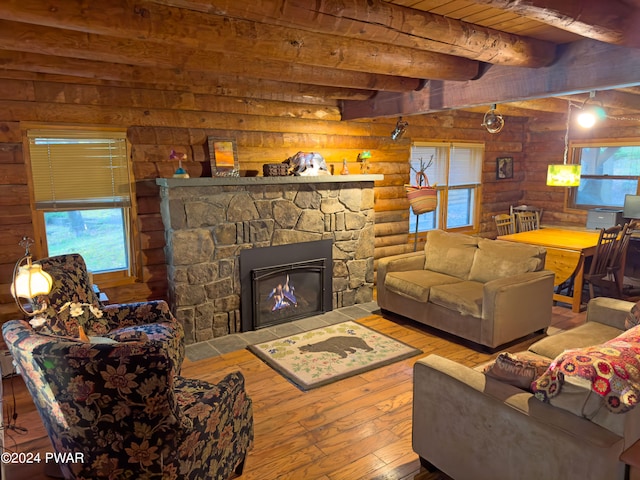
[(283, 283)]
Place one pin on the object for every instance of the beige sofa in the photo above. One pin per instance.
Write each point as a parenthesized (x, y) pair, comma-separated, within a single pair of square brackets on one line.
[(487, 291), (473, 427)]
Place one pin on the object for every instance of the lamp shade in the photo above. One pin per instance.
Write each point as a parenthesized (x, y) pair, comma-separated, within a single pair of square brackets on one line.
[(31, 281), (563, 175)]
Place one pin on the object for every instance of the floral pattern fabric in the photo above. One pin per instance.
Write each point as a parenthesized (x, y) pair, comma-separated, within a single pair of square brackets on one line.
[(126, 409), (612, 369)]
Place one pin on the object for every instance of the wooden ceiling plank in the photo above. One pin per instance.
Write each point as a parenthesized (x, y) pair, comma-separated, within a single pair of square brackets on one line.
[(612, 21), (379, 21), (582, 66)]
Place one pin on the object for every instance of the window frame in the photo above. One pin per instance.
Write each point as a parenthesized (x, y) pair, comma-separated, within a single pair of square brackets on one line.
[(443, 190), (574, 148), (40, 248)]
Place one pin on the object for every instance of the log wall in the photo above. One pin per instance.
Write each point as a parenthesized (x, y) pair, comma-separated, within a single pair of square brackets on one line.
[(266, 131)]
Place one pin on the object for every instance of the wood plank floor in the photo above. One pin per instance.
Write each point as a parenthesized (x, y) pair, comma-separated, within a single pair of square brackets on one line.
[(357, 428)]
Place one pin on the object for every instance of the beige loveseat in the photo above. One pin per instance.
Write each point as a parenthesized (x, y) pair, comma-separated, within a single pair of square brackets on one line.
[(473, 427), (487, 291)]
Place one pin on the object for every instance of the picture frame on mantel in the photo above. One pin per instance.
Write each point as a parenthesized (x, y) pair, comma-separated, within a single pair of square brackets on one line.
[(223, 157), (504, 168)]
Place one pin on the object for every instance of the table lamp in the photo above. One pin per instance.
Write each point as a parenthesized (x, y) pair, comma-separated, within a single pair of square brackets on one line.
[(29, 281)]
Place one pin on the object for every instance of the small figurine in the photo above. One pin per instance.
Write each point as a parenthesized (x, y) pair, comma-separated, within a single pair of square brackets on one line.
[(345, 170), (180, 172)]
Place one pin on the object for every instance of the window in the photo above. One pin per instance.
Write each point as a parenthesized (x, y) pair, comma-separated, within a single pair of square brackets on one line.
[(82, 194), (608, 173), (455, 170)]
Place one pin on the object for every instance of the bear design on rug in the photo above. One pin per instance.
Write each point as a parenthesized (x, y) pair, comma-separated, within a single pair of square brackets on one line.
[(339, 345)]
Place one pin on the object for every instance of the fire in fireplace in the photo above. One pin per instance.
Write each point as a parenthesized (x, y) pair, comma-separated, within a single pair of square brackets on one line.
[(284, 283)]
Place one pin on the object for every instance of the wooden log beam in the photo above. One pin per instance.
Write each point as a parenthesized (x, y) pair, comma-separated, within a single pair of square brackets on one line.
[(582, 66), (380, 21), (612, 21), (202, 35), (60, 69), (78, 46)]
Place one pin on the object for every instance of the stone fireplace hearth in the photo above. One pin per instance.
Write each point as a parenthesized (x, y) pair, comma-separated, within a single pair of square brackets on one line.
[(208, 221)]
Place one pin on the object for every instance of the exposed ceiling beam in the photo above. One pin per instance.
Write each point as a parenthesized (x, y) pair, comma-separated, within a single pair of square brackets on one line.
[(610, 21), (76, 45), (193, 34), (379, 21), (582, 66)]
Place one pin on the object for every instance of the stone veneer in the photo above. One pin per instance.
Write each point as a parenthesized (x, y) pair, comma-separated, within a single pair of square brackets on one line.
[(209, 220)]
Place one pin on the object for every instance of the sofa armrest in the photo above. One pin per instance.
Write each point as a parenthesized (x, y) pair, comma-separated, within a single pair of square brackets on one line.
[(458, 409), (609, 311), (396, 263), (516, 306)]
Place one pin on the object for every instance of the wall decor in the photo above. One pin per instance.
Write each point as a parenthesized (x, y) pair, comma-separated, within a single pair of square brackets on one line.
[(504, 167), (223, 157)]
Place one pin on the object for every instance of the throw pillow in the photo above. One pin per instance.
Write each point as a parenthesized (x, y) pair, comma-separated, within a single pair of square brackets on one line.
[(516, 370), (633, 317)]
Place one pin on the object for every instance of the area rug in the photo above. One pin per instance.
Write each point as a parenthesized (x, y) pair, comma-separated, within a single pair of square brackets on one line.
[(324, 355)]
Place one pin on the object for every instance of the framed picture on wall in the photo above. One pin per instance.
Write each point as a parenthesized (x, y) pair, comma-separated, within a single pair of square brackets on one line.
[(223, 156), (504, 167)]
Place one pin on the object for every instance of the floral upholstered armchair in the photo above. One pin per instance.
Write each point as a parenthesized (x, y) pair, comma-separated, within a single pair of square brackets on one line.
[(117, 403), (72, 288)]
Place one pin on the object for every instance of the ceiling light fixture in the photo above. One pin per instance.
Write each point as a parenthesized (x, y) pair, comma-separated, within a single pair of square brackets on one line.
[(590, 114), (564, 174), (492, 120), (401, 128)]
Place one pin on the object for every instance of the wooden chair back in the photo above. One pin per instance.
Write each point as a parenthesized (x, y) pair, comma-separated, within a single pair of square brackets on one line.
[(616, 267), (528, 221), (505, 224), (599, 271)]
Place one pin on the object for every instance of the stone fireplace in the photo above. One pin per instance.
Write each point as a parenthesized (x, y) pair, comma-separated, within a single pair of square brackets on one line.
[(209, 221)]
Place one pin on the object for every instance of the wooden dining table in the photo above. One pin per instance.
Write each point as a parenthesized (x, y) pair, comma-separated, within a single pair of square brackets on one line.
[(566, 254)]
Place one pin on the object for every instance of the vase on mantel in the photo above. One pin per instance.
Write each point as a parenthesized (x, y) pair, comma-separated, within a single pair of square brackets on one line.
[(345, 170)]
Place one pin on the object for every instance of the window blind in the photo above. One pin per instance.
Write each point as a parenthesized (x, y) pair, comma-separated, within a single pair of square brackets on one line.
[(79, 169)]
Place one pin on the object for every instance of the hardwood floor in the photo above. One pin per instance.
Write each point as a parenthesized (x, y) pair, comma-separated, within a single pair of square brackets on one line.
[(357, 428)]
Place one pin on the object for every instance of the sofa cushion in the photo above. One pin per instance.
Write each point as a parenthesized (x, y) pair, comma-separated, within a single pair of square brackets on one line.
[(517, 369), (464, 297), (416, 284), (590, 333), (498, 259), (449, 253), (611, 370), (633, 317)]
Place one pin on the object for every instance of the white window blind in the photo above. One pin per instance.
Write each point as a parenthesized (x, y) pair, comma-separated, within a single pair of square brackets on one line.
[(79, 169)]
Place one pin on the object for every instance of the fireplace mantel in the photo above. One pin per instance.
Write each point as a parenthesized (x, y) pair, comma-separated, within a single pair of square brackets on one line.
[(245, 181)]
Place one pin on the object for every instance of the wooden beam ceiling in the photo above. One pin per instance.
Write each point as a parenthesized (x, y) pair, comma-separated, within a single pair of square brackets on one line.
[(379, 58)]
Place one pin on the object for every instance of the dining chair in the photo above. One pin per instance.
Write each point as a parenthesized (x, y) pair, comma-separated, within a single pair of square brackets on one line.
[(528, 221), (599, 273), (505, 224), (616, 267)]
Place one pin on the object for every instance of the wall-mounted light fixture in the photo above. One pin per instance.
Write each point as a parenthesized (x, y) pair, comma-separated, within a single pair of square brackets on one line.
[(492, 120), (564, 174), (401, 128)]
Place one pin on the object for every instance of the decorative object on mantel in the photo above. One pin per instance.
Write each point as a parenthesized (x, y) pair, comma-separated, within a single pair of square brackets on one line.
[(275, 170), (180, 172), (564, 174), (223, 157), (364, 157), (345, 169), (307, 164), (324, 355)]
